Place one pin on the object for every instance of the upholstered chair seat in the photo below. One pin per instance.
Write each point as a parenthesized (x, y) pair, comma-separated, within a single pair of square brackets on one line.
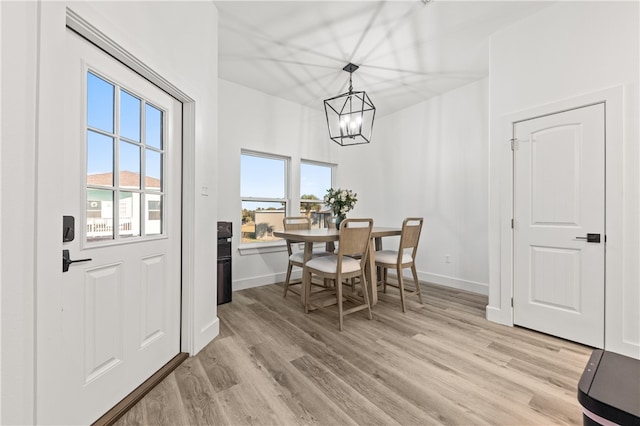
[(400, 259), (348, 263), (391, 257), (330, 263)]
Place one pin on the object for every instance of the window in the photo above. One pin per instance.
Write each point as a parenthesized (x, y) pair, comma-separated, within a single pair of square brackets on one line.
[(125, 160), (263, 190), (315, 179)]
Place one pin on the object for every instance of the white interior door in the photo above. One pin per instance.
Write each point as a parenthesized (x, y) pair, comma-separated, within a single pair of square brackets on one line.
[(120, 313), (559, 200)]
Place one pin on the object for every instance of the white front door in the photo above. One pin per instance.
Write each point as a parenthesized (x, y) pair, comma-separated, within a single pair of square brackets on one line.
[(120, 310), (559, 224)]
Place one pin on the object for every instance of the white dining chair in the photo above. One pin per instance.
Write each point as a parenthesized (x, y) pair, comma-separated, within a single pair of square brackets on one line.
[(403, 257), (296, 257), (349, 262)]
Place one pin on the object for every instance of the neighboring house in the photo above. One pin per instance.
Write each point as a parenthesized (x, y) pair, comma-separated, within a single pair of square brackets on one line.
[(100, 206)]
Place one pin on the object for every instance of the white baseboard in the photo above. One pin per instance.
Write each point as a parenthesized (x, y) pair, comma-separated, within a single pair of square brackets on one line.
[(443, 280), (207, 333), (263, 280), (499, 316)]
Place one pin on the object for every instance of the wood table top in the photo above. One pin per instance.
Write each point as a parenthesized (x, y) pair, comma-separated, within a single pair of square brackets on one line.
[(330, 234)]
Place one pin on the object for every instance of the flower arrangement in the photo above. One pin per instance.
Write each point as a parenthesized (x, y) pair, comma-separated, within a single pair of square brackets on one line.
[(340, 201)]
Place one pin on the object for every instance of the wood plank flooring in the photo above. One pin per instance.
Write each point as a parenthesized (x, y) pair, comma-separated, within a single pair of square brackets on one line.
[(440, 363)]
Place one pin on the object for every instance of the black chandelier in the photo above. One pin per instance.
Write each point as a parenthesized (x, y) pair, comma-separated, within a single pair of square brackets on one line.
[(350, 115)]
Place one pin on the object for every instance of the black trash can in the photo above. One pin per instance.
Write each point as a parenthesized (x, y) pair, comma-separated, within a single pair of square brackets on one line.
[(609, 390), (224, 262)]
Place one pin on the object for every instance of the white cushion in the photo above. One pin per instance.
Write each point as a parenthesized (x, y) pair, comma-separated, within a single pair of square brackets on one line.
[(330, 264), (391, 257), (298, 256)]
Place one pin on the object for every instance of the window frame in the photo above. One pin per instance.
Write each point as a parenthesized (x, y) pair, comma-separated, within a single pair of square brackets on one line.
[(116, 188), (332, 167), (278, 243)]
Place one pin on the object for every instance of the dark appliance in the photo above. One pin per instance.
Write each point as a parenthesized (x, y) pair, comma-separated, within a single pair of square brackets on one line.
[(609, 390), (225, 232)]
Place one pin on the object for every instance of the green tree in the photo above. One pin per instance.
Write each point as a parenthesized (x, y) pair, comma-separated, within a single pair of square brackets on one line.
[(307, 207), (248, 216)]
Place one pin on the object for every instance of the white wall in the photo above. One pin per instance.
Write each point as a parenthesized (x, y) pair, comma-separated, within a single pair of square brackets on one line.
[(431, 160), (568, 50), (259, 122), (18, 141), (428, 160), (167, 36)]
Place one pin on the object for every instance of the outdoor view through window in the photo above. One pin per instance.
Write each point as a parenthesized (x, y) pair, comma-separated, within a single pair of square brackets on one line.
[(125, 155), (264, 183)]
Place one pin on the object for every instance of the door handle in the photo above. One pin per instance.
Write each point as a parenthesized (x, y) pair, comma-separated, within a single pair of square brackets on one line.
[(66, 260), (590, 238)]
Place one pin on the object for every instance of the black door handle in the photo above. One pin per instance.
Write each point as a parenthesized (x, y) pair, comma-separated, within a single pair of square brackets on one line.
[(591, 238), (66, 260)]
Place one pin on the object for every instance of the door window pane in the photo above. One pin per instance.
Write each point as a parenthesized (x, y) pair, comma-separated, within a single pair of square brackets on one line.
[(153, 127), (129, 116), (122, 169), (153, 170), (99, 215), (99, 159), (129, 217), (129, 165), (153, 215), (100, 103)]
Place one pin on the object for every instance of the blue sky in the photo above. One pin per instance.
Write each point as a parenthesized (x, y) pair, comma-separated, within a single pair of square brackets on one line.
[(265, 177), (100, 115)]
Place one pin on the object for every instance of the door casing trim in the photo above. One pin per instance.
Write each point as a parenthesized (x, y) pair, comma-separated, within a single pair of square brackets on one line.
[(513, 229), (613, 99), (84, 29)]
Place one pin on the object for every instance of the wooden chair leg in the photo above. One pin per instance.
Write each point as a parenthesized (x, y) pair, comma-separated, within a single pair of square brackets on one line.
[(339, 297), (401, 286), (365, 294), (287, 280), (415, 280), (306, 289), (384, 280)]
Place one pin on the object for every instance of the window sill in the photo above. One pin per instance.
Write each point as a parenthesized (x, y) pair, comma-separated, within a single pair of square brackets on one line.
[(260, 248)]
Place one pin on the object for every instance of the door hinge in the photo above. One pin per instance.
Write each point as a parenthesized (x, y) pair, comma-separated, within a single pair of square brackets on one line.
[(514, 144), (512, 302), (512, 224)]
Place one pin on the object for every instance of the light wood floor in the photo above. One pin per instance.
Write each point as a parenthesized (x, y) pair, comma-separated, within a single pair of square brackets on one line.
[(440, 363)]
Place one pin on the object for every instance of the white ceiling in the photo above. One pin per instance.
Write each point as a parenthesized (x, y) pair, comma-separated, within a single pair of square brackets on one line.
[(407, 51)]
